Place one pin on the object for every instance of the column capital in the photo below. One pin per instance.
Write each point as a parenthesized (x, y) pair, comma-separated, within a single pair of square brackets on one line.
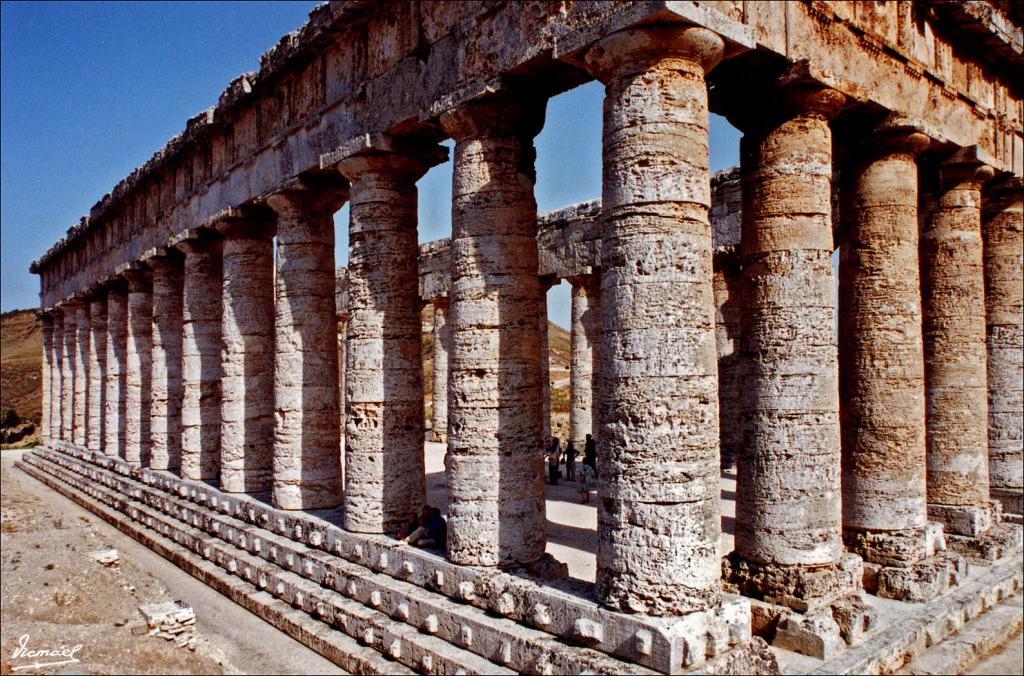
[(1002, 192), (196, 240), (307, 194), (895, 136), (384, 154), (635, 50), (46, 318), (505, 114), (964, 168), (161, 258), (246, 223), (139, 280)]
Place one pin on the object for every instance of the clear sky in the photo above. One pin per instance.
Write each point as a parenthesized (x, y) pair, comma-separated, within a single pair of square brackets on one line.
[(90, 90)]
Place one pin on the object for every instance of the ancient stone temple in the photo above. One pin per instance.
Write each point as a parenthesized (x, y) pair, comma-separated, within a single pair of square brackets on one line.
[(836, 324)]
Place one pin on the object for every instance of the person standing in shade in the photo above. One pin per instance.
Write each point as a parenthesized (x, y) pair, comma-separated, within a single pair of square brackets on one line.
[(554, 452), (585, 482), (570, 461), (590, 453)]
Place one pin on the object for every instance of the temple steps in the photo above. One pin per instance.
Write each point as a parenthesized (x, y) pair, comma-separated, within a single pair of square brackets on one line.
[(420, 628)]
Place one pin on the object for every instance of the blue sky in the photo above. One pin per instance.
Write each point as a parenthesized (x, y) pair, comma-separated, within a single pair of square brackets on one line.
[(90, 90)]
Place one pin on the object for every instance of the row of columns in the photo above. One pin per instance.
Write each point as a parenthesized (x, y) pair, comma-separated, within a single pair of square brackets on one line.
[(907, 452)]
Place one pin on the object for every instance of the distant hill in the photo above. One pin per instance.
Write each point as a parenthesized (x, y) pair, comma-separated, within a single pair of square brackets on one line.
[(21, 356)]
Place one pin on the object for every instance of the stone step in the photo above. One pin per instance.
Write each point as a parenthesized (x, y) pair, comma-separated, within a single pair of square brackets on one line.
[(562, 608), (329, 642), (973, 641), (502, 640), (373, 628)]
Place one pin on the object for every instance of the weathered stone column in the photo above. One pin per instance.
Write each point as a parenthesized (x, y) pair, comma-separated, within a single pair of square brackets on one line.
[(585, 339), (494, 463), (81, 421), (97, 370), (168, 307), (882, 368), (115, 395), (67, 368), (545, 364), (442, 346), (956, 391), (45, 429), (658, 461), (247, 330), (57, 379), (727, 286), (384, 463), (1004, 307), (201, 356), (788, 514), (307, 443), (139, 363)]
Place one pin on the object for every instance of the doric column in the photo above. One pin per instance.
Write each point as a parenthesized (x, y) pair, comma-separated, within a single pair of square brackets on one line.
[(139, 360), (727, 284), (46, 324), (658, 460), (68, 359), (81, 420), (545, 364), (201, 356), (442, 345), (494, 464), (57, 378), (1004, 307), (384, 463), (882, 367), (115, 395), (247, 330), (585, 336), (166, 386), (956, 391), (97, 370), (788, 514), (307, 443)]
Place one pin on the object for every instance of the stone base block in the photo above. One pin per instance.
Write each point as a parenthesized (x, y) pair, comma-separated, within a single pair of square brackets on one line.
[(896, 548), (1012, 502), (308, 562), (966, 520), (918, 582), (802, 588), (1000, 541), (825, 632)]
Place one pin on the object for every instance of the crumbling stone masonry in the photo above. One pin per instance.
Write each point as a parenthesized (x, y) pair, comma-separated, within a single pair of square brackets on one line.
[(193, 391)]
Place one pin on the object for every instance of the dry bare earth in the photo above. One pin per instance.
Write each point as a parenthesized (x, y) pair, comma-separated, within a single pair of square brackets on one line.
[(21, 356)]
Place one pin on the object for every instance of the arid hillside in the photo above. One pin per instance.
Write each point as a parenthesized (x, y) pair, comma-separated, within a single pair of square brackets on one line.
[(21, 354)]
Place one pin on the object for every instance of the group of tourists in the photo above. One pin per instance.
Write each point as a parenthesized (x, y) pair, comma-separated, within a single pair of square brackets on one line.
[(585, 477)]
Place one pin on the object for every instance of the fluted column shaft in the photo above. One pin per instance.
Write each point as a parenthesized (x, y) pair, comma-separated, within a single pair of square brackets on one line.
[(247, 386), (585, 337), (166, 385), (494, 462), (545, 365), (57, 378), (81, 419), (442, 346), (97, 371), (45, 429), (953, 300), (384, 463), (68, 360), (788, 490), (727, 284), (658, 460), (139, 362), (201, 359), (307, 443), (1003, 234), (115, 394), (881, 355)]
